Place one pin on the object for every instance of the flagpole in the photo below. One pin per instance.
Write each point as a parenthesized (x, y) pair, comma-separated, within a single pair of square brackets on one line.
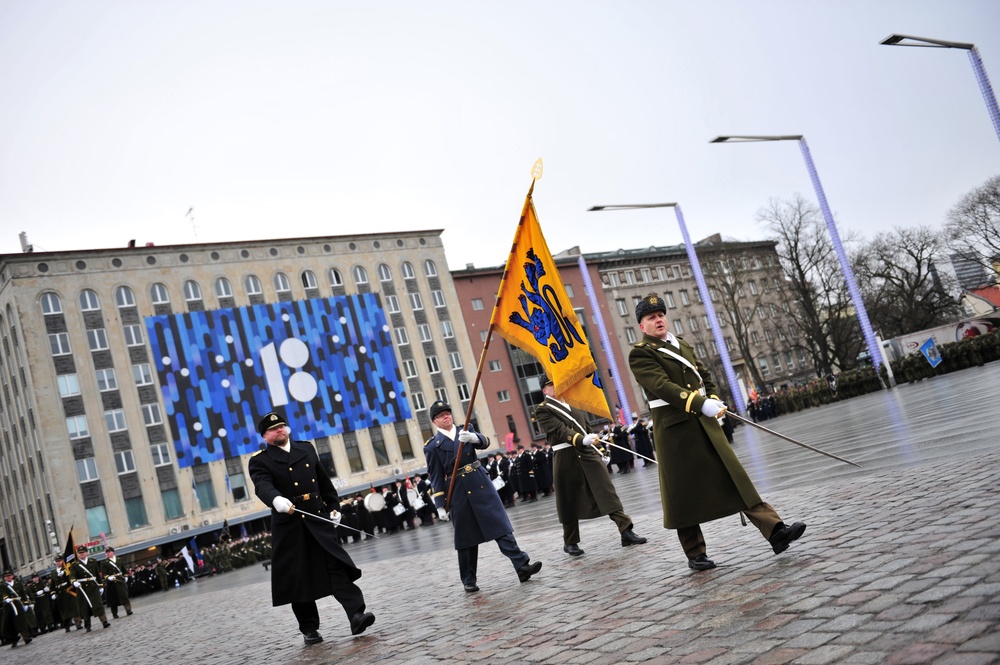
[(536, 173)]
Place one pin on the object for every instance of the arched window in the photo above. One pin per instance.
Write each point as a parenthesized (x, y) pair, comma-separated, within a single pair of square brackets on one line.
[(159, 294), (223, 288), (334, 276), (124, 297), (252, 285), (408, 270), (51, 303), (281, 284), (89, 301), (360, 275), (430, 269), (384, 274), (308, 279), (192, 292)]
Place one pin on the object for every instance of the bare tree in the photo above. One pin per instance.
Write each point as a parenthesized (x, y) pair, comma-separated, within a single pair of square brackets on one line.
[(820, 305), (902, 292), (973, 227)]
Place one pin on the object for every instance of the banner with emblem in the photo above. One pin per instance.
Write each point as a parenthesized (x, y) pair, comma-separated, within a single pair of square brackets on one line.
[(534, 313)]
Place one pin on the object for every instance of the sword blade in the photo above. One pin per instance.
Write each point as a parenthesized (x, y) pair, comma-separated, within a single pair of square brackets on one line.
[(628, 450), (323, 519), (730, 414)]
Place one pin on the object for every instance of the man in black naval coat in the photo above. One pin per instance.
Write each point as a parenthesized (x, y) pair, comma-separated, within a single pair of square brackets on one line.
[(307, 561), (477, 514)]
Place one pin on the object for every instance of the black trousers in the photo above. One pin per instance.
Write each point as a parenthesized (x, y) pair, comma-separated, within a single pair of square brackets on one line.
[(347, 593)]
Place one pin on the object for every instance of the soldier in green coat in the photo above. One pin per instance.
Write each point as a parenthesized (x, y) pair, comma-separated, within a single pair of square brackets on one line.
[(701, 479), (83, 574)]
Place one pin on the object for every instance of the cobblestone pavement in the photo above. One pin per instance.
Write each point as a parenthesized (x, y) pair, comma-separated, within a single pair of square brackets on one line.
[(898, 565)]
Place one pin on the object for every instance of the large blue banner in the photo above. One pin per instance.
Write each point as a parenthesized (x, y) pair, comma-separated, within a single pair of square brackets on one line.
[(327, 364)]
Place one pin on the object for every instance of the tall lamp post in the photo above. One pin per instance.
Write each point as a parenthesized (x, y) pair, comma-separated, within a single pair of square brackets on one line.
[(874, 350), (706, 297), (977, 67)]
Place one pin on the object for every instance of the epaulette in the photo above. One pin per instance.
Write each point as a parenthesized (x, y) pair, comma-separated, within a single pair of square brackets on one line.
[(640, 344), (257, 453)]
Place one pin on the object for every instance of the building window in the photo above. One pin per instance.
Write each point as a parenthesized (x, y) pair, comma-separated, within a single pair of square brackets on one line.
[(68, 385), (192, 292), (59, 343), (455, 360), (77, 427), (309, 280), (612, 279), (89, 301), (106, 379), (495, 366), (692, 323), (378, 446), (646, 275), (430, 269), (729, 344), (51, 303), (159, 295), (392, 304), (424, 331), (223, 288), (97, 339), (482, 335), (403, 438), (142, 374), (333, 276), (151, 414), (135, 509), (503, 396), (416, 302), (409, 369), (353, 452), (133, 335), (114, 420), (629, 277), (788, 361), (622, 306), (685, 300), (407, 270), (384, 274), (700, 349), (402, 337), (670, 299), (754, 337), (676, 327), (677, 271), (238, 487), (86, 469), (124, 462), (360, 275), (281, 283), (661, 273), (463, 392), (477, 304), (97, 521), (768, 335), (753, 287), (172, 507), (206, 495), (630, 334), (437, 295), (253, 286), (417, 399), (432, 365), (776, 360), (160, 453), (446, 330), (124, 297), (762, 363)]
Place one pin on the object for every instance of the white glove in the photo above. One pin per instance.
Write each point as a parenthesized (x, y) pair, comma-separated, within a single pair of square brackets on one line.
[(53, 596), (443, 514), (76, 584), (7, 600), (590, 439), (713, 408), (282, 505), (335, 516), (465, 436)]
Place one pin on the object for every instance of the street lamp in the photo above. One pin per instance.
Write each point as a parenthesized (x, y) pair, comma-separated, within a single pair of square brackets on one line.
[(874, 350), (977, 67), (706, 297)]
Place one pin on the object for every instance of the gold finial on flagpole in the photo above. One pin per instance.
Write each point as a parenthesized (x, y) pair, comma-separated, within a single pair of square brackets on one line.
[(536, 170)]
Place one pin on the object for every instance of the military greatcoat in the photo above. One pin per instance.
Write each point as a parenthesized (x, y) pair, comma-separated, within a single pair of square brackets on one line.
[(583, 487), (300, 543), (477, 513), (701, 479)]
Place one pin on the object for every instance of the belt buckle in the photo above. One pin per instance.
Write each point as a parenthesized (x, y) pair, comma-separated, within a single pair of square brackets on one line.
[(468, 468)]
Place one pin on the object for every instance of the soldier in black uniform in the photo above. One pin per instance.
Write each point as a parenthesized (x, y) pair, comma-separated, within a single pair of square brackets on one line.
[(307, 561), (14, 619)]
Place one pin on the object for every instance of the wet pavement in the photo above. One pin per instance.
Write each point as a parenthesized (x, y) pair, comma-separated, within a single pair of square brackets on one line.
[(900, 564)]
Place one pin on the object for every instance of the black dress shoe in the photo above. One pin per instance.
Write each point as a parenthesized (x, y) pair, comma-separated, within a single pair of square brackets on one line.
[(701, 562), (572, 550), (106, 624), (784, 535), (525, 572), (471, 588), (312, 637), (129, 613), (361, 621), (629, 538)]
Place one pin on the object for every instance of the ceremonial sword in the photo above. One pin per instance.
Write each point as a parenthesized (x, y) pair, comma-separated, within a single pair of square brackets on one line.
[(323, 519), (605, 441), (730, 414)]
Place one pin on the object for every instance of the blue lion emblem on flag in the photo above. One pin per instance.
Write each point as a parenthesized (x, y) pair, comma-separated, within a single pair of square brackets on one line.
[(545, 319)]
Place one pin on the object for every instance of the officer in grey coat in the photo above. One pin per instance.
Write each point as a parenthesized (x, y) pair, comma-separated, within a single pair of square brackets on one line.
[(477, 514)]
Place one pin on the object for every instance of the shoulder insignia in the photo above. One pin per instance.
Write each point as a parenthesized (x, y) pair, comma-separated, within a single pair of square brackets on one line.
[(257, 453), (640, 345), (684, 394)]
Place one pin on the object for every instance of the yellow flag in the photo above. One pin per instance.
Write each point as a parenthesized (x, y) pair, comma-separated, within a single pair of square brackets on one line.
[(534, 313)]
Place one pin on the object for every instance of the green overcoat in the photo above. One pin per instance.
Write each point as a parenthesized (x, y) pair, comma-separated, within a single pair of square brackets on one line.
[(701, 479)]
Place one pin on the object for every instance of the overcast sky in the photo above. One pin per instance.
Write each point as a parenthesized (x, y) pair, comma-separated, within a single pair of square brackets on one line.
[(300, 118)]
